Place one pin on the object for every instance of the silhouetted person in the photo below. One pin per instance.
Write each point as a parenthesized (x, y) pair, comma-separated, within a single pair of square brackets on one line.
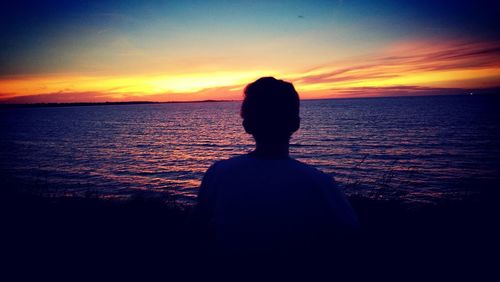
[(265, 201)]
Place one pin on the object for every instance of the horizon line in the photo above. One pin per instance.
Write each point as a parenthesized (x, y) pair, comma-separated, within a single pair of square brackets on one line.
[(138, 102)]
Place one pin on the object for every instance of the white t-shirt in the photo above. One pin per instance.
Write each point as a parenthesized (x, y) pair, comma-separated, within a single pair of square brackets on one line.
[(254, 202)]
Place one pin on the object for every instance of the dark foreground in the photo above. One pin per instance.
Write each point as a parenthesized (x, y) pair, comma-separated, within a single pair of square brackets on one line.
[(85, 236)]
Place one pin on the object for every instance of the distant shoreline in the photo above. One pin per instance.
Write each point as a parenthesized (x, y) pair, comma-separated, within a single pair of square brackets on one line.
[(83, 104)]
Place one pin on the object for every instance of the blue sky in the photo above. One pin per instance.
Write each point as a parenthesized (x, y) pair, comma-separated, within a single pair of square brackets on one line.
[(285, 38)]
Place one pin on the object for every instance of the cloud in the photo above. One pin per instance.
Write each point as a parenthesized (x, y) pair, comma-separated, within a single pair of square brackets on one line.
[(218, 93), (405, 68), (408, 60), (405, 90), (57, 97)]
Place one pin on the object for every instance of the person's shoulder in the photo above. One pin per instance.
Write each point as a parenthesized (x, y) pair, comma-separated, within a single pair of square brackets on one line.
[(311, 171), (230, 162), (243, 158)]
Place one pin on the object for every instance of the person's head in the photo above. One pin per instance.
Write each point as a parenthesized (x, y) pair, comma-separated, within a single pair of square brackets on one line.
[(270, 110)]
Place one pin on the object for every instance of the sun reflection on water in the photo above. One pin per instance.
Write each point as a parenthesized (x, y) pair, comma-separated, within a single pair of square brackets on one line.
[(417, 148)]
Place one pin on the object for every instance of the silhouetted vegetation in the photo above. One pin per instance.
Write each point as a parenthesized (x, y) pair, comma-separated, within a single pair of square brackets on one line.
[(69, 231)]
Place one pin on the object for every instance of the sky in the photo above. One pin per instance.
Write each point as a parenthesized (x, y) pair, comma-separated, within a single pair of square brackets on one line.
[(98, 51)]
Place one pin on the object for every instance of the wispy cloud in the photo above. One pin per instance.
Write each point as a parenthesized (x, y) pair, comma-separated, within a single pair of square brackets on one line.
[(404, 68), (437, 60), (216, 93)]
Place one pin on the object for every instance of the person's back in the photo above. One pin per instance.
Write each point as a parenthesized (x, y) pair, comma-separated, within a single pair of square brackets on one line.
[(265, 201)]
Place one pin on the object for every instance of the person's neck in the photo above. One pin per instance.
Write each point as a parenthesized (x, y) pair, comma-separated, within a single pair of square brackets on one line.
[(272, 150)]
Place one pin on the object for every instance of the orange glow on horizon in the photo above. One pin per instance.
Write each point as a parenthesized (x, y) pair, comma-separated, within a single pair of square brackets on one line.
[(119, 86), (448, 65)]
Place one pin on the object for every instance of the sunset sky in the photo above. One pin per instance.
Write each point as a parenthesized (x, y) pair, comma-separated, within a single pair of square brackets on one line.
[(96, 51)]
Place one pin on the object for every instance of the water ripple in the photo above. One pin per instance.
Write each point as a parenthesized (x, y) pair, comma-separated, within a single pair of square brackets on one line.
[(416, 147)]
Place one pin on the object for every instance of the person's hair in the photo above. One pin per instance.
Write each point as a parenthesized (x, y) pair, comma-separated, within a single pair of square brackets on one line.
[(270, 110)]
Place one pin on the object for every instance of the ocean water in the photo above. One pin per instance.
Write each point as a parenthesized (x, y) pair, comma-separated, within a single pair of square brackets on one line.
[(412, 148)]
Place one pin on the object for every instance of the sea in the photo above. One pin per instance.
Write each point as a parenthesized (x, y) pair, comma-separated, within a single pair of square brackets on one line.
[(416, 149)]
